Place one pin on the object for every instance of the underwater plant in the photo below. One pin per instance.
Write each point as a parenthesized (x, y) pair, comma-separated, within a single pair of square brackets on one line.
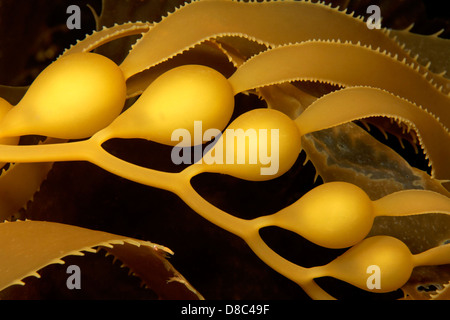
[(306, 70)]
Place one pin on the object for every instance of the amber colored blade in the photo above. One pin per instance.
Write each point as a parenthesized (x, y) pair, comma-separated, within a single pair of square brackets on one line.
[(28, 246)]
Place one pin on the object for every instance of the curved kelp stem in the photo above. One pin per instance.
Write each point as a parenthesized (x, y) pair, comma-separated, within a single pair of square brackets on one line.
[(179, 183), (300, 275), (340, 106)]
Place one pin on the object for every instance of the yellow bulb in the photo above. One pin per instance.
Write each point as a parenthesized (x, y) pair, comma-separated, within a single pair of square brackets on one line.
[(377, 264), (333, 215), (176, 100), (259, 145), (73, 98), (5, 107)]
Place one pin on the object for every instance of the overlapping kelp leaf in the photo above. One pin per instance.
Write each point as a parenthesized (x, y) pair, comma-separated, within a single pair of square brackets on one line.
[(19, 184), (363, 168), (391, 172), (44, 243), (349, 153)]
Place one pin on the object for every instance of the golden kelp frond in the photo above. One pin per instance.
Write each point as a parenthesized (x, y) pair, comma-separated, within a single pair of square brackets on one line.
[(271, 23), (5, 108), (28, 246), (18, 182), (18, 186), (203, 54), (344, 72), (99, 38), (345, 65)]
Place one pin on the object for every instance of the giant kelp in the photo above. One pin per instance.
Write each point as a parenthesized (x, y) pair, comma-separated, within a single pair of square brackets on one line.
[(213, 44)]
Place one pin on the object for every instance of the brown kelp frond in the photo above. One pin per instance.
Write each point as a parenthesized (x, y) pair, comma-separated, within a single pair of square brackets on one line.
[(270, 23), (431, 51), (348, 153), (362, 102), (28, 246), (401, 131), (431, 285), (349, 65), (5, 167), (442, 294)]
